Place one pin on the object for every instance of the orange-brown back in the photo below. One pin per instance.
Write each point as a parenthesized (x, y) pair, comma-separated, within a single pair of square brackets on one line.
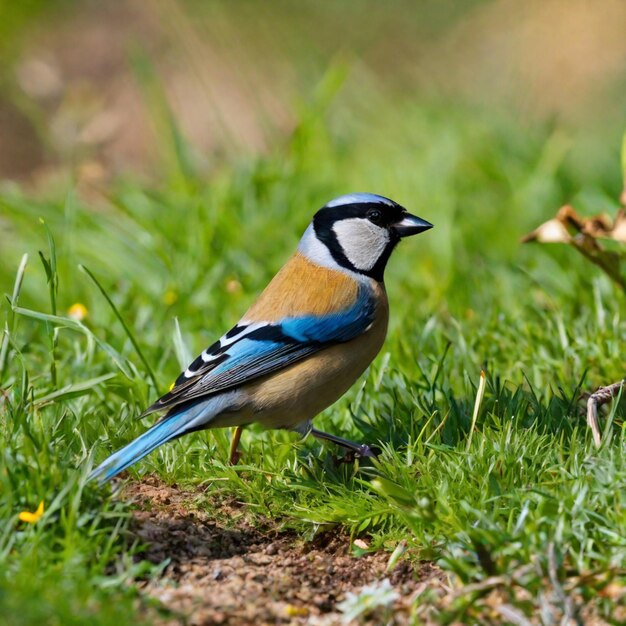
[(303, 288)]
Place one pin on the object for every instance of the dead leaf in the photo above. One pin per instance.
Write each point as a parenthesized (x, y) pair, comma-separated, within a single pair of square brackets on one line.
[(583, 234), (619, 227), (552, 231)]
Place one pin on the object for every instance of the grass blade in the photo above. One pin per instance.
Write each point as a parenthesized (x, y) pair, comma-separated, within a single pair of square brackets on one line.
[(66, 322), (17, 286), (182, 351), (479, 400), (74, 389), (127, 330)]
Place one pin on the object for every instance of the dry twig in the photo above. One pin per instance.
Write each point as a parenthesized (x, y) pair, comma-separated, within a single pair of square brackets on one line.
[(597, 399)]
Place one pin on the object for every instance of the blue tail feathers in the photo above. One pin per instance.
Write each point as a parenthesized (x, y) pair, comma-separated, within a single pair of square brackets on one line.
[(144, 444), (191, 418)]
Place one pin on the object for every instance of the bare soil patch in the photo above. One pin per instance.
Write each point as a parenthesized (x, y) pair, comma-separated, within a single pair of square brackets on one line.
[(223, 570)]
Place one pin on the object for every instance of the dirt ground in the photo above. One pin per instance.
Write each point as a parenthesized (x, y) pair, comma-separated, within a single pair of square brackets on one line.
[(222, 570)]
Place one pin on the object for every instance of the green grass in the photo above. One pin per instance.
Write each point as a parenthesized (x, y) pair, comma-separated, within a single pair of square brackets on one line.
[(526, 486)]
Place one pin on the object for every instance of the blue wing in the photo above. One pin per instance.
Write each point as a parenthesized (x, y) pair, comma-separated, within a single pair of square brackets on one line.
[(250, 351)]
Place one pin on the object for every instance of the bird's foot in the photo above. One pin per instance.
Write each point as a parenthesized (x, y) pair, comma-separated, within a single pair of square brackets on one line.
[(355, 450), (368, 452), (362, 452)]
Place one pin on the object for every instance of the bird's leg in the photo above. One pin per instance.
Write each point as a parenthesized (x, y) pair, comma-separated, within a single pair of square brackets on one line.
[(361, 449), (597, 399), (235, 455)]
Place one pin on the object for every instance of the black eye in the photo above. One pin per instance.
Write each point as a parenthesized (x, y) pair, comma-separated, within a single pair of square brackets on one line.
[(375, 216)]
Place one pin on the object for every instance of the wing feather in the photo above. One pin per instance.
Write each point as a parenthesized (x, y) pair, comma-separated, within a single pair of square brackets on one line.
[(250, 351)]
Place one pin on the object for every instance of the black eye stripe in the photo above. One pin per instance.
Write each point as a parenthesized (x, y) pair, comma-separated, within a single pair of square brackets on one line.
[(375, 216)]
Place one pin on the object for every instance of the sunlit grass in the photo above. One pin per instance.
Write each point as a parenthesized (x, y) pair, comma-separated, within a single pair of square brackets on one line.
[(527, 488)]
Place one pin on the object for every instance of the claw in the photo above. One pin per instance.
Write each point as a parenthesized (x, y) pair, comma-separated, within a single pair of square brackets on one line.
[(363, 452), (367, 452)]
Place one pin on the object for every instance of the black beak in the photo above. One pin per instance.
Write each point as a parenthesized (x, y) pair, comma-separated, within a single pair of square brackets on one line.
[(411, 225)]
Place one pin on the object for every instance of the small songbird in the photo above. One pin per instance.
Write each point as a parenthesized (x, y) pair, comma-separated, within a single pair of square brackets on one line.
[(312, 332)]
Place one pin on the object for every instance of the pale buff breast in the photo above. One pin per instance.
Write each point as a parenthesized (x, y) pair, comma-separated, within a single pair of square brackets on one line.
[(303, 390)]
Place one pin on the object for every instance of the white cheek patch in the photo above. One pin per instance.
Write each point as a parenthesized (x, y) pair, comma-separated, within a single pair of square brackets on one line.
[(314, 250), (361, 241), (317, 252)]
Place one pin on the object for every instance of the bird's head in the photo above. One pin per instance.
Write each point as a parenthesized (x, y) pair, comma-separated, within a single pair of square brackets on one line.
[(358, 232)]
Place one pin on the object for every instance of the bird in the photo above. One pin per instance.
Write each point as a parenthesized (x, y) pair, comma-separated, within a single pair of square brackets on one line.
[(308, 337)]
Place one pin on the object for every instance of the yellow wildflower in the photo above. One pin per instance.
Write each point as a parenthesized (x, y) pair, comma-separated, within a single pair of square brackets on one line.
[(77, 311), (32, 518), (296, 611), (169, 297)]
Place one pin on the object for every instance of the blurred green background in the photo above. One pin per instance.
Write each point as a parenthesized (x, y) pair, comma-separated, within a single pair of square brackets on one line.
[(482, 116), (178, 149), (236, 74)]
